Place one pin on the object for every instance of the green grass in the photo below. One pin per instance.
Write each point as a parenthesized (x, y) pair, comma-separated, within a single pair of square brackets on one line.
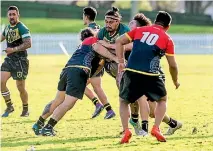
[(44, 25), (191, 104)]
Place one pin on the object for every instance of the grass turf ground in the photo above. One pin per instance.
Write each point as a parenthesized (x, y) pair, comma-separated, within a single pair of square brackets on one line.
[(191, 104), (42, 25)]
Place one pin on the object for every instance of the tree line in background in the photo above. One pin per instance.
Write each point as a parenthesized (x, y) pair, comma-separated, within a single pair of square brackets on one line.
[(193, 7)]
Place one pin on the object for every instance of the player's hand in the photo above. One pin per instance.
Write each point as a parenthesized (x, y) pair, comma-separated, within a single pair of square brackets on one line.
[(9, 50), (177, 84), (121, 67)]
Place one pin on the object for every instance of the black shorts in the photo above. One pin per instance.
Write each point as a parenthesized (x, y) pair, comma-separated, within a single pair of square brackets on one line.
[(134, 85), (73, 81), (111, 68), (18, 67)]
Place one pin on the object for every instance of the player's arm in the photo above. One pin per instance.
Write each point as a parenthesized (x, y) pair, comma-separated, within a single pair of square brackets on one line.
[(173, 68), (27, 43), (104, 52), (2, 37), (120, 42), (26, 38), (127, 47)]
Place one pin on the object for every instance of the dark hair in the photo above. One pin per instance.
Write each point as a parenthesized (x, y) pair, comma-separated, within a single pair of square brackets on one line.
[(86, 32), (13, 8), (163, 18), (90, 12), (113, 12), (142, 20)]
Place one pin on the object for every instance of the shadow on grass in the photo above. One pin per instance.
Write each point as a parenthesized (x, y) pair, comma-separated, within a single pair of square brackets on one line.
[(71, 140), (190, 137), (66, 149), (19, 122)]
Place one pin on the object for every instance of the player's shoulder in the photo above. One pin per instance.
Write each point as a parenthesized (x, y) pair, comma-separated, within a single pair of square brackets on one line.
[(90, 40), (124, 27), (22, 25), (101, 33)]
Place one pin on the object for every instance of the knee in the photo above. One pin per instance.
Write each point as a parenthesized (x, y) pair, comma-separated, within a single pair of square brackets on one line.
[(21, 88), (3, 83)]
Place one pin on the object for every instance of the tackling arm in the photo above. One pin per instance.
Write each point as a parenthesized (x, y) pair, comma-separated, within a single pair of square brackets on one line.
[(104, 52)]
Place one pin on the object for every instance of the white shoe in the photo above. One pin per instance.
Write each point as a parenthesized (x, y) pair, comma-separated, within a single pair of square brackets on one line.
[(171, 131), (136, 126), (143, 133)]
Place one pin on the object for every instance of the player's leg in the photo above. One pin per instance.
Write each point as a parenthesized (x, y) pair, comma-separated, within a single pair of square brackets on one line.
[(159, 114), (144, 112), (5, 75), (76, 80), (20, 75), (6, 93), (129, 93), (58, 113), (98, 106), (48, 110), (96, 83), (173, 124), (24, 96), (134, 107)]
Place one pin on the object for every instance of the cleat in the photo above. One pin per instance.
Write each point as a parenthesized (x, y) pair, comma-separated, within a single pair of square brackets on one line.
[(48, 132), (156, 133), (126, 136), (110, 114), (171, 131), (143, 133), (136, 126), (8, 111), (25, 113), (37, 129), (98, 109)]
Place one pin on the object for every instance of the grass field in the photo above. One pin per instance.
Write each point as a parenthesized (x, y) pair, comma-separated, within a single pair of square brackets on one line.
[(192, 104), (42, 25)]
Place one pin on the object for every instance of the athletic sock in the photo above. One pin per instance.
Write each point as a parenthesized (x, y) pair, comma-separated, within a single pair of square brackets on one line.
[(172, 123), (107, 107), (95, 100), (134, 117), (144, 125)]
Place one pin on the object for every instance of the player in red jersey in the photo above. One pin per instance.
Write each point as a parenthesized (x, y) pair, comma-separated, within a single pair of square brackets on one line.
[(150, 43)]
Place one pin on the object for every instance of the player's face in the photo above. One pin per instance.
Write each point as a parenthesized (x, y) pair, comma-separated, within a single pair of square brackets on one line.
[(133, 24), (12, 16), (111, 24)]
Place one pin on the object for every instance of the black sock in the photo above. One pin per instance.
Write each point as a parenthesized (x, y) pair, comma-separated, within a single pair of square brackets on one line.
[(95, 100), (51, 123), (8, 103), (145, 125), (134, 117), (41, 121), (107, 107), (172, 123), (25, 107)]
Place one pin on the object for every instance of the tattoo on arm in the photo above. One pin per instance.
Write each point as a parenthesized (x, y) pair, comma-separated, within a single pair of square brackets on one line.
[(26, 44)]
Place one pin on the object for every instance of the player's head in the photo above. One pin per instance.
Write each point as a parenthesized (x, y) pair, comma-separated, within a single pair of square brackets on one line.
[(89, 14), (13, 14), (86, 32), (139, 20), (112, 19), (164, 19)]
